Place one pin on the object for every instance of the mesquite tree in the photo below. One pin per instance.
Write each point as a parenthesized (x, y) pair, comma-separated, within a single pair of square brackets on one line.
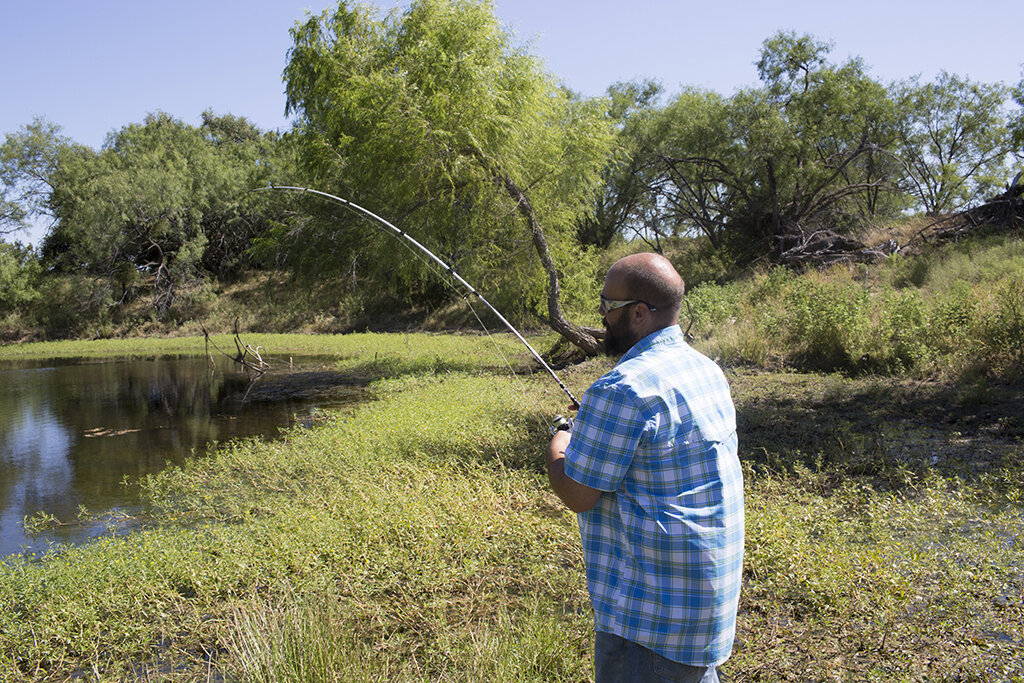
[(433, 118), (954, 140), (798, 153), (162, 200)]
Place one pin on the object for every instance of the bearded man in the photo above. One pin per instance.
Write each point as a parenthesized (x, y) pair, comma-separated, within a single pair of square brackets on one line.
[(650, 465)]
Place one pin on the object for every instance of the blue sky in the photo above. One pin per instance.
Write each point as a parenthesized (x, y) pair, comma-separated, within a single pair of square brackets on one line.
[(93, 66)]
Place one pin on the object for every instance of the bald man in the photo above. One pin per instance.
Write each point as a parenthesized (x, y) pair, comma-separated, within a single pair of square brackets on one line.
[(650, 465)]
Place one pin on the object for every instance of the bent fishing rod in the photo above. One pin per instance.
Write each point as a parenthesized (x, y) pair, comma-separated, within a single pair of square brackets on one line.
[(451, 271)]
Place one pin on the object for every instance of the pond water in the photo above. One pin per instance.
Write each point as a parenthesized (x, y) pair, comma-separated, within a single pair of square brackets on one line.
[(71, 433)]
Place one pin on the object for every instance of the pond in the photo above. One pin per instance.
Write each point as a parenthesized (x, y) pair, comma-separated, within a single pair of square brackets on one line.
[(72, 434)]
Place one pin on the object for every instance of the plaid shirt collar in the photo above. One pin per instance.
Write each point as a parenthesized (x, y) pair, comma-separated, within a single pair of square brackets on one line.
[(666, 335)]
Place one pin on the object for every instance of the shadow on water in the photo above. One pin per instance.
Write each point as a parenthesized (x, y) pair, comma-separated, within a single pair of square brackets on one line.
[(72, 433)]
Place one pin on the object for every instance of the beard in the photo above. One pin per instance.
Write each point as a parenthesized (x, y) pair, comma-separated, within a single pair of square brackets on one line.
[(618, 338)]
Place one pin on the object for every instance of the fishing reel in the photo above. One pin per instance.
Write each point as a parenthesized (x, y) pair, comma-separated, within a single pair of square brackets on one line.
[(561, 424)]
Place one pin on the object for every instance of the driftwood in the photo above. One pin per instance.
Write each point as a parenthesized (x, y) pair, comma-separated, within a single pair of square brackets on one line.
[(248, 357), (1004, 210), (824, 248)]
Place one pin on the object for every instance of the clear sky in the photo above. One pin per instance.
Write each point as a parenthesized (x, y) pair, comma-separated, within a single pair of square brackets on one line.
[(93, 66)]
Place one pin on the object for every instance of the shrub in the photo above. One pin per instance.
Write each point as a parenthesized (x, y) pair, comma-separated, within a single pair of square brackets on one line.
[(952, 319), (19, 276), (713, 305), (1002, 328), (72, 305), (904, 331), (826, 323)]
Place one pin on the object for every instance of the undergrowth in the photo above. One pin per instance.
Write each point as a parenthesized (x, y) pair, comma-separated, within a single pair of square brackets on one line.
[(955, 312)]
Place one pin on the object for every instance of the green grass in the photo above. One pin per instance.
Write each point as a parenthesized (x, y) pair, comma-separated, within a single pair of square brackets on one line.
[(955, 311), (423, 513), (467, 351), (414, 539)]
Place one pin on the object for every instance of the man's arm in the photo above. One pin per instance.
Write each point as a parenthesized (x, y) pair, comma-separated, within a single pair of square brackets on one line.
[(576, 496)]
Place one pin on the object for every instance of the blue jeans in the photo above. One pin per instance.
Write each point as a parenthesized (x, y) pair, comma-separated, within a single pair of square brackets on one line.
[(617, 660)]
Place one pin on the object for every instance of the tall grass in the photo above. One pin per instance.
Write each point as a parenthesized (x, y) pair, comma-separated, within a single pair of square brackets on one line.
[(958, 312), (312, 638)]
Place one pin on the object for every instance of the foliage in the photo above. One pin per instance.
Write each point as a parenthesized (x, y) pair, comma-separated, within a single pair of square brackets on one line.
[(19, 277), (695, 151), (1017, 120), (800, 152), (954, 311), (28, 160), (953, 139), (624, 205), (433, 118), (824, 324), (818, 145), (164, 198)]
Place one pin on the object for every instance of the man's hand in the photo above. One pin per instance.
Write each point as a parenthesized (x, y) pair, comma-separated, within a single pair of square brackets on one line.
[(576, 496)]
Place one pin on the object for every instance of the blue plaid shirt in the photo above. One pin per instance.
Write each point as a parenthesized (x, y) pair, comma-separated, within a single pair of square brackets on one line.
[(664, 544)]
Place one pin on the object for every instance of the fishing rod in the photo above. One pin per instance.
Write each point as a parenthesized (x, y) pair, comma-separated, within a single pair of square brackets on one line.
[(451, 271)]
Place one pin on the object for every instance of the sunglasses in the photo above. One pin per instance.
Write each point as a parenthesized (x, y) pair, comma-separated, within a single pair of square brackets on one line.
[(611, 304)]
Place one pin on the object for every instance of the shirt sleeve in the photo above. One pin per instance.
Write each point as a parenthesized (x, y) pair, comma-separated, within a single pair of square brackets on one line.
[(604, 437)]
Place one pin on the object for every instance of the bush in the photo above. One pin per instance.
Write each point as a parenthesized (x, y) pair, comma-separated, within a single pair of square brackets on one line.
[(19, 278), (904, 332), (953, 317), (826, 322), (73, 305), (712, 305), (1002, 328)]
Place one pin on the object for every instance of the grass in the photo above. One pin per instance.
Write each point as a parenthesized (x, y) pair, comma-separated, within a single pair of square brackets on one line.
[(467, 351), (414, 539), (955, 311)]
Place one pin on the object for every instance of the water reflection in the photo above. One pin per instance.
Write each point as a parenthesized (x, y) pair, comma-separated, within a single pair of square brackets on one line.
[(71, 433)]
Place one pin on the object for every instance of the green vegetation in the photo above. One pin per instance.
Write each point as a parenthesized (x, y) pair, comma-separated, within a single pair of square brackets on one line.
[(956, 311), (414, 539), (436, 119), (388, 350)]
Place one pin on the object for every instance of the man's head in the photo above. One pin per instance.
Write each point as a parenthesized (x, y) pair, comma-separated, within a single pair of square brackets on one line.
[(654, 291)]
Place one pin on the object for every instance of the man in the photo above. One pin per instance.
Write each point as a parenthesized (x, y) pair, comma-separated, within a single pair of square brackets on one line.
[(650, 465)]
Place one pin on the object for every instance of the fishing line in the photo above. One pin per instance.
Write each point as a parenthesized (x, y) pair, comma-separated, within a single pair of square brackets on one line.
[(443, 277), (450, 271)]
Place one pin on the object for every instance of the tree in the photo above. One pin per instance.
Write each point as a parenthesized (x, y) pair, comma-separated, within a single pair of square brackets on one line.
[(954, 140), (432, 117), (19, 275), (168, 199), (792, 155), (1017, 120), (28, 160), (697, 165), (623, 204)]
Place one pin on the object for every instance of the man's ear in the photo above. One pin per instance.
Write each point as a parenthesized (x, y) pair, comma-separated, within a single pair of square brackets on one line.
[(641, 312)]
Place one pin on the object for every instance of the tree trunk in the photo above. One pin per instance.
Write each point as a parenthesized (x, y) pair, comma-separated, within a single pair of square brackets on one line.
[(586, 339), (581, 337)]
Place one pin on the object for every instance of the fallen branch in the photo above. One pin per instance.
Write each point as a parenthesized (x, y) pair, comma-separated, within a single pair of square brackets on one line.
[(248, 357)]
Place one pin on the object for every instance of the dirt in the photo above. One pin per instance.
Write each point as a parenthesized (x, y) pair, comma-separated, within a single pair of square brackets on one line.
[(866, 424)]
